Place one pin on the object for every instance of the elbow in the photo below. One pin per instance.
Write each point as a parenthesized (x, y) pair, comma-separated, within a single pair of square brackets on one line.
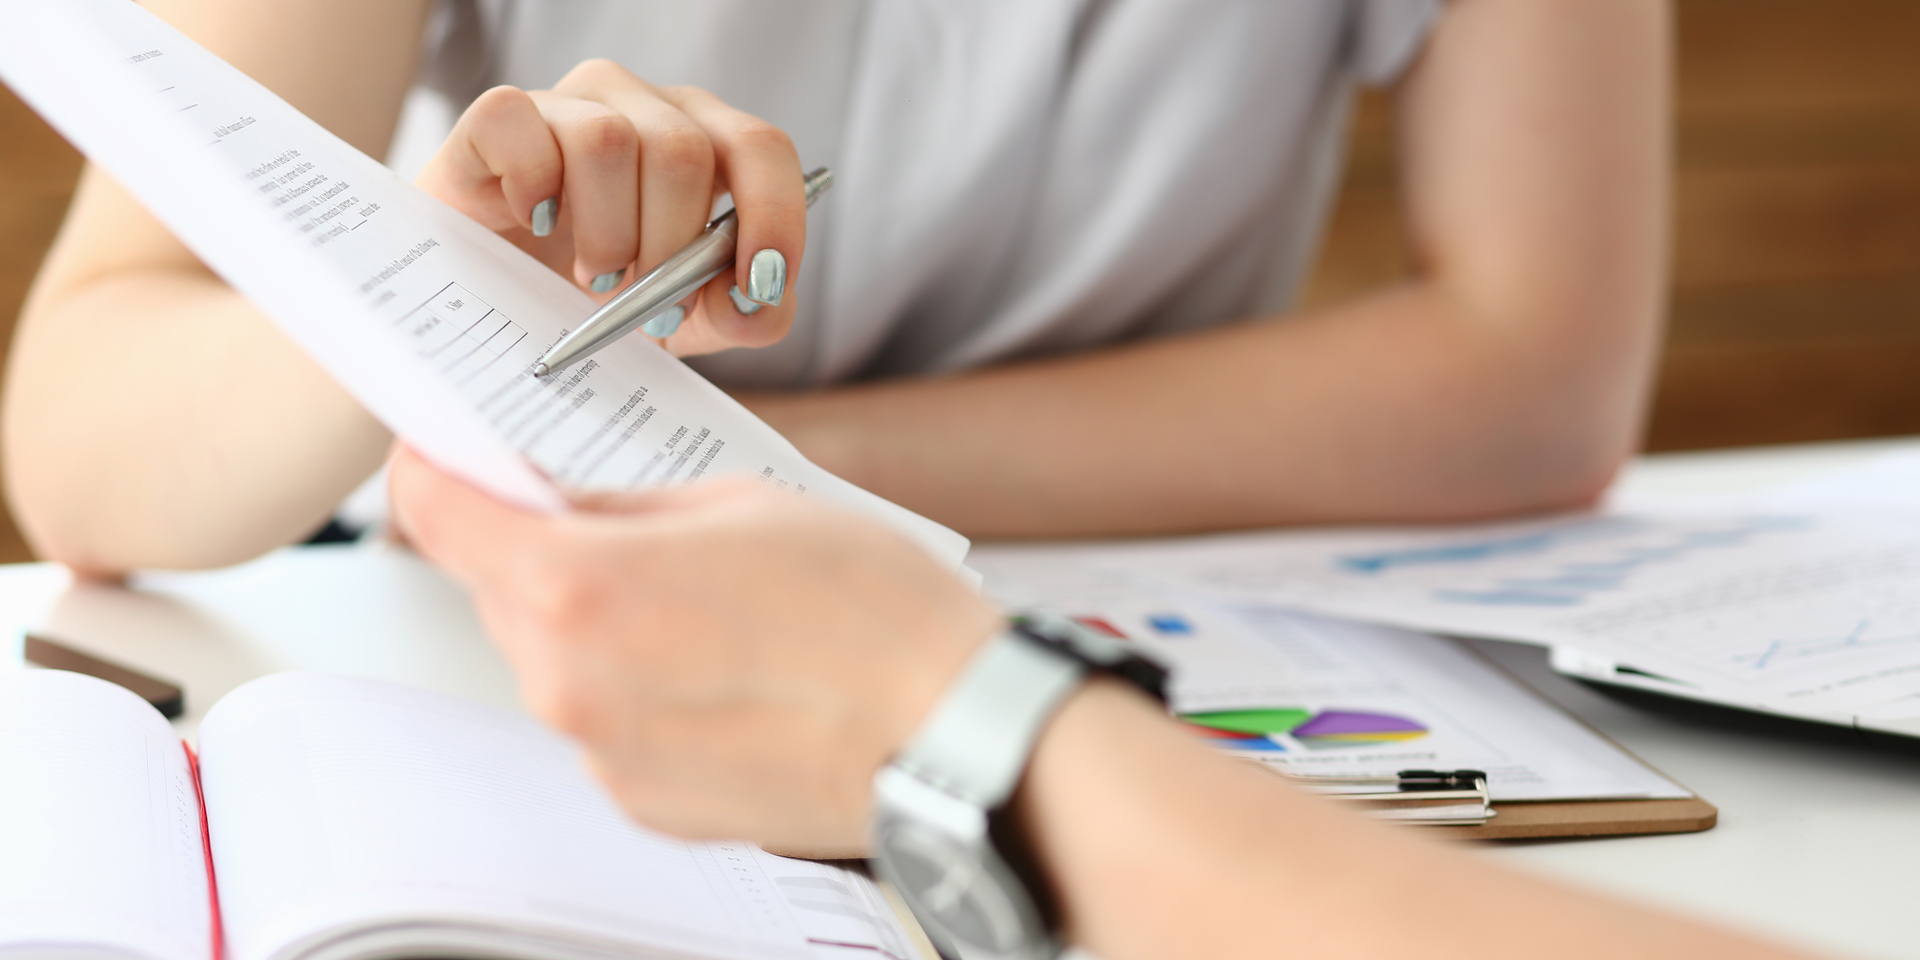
[(1577, 478), (103, 532), (47, 521), (52, 528), (51, 543), (88, 507), (1551, 465), (1582, 423), (1551, 404), (1574, 365), (101, 543)]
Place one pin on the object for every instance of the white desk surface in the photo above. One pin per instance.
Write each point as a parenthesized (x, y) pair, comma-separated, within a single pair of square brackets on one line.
[(1817, 844)]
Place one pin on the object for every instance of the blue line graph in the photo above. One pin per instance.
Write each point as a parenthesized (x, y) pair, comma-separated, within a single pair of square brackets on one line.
[(1511, 598), (1573, 580), (1782, 650), (1486, 549)]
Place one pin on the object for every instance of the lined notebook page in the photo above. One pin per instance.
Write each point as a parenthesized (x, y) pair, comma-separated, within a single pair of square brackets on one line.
[(100, 848), (343, 805)]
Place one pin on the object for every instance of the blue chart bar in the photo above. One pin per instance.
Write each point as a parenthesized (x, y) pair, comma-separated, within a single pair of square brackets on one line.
[(1510, 598), (1170, 624), (1454, 553), (1568, 570)]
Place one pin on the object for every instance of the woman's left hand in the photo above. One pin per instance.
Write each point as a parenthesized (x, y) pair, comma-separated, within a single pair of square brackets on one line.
[(605, 176)]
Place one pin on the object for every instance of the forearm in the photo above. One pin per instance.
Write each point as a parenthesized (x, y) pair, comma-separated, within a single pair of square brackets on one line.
[(1508, 375), (1162, 849), (155, 419), (1403, 406)]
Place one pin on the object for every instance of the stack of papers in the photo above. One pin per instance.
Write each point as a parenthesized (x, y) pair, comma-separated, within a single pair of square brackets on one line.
[(1320, 697), (1803, 601)]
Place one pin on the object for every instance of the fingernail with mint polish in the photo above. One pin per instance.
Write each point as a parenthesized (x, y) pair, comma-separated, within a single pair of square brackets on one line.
[(607, 281), (663, 326), (746, 307), (767, 278), (543, 214)]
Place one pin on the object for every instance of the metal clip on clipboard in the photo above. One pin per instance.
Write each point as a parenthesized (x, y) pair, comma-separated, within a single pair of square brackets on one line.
[(1422, 797)]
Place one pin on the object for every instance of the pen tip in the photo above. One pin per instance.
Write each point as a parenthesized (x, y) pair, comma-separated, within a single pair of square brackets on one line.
[(539, 370)]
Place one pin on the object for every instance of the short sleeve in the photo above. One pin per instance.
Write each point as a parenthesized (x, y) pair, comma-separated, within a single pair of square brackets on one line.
[(1386, 35)]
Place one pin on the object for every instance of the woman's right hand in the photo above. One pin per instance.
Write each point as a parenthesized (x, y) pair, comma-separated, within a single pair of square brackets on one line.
[(669, 630), (606, 175)]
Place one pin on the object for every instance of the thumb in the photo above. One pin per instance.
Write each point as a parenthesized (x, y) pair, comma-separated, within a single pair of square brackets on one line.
[(454, 524)]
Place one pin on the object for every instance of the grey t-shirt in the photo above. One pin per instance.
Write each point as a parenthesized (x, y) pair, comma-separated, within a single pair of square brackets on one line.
[(1014, 178)]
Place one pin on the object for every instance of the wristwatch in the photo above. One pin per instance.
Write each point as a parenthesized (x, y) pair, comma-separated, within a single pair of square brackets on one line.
[(942, 832)]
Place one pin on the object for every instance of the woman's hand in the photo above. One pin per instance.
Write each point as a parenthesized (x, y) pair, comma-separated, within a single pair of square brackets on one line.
[(737, 661), (605, 176)]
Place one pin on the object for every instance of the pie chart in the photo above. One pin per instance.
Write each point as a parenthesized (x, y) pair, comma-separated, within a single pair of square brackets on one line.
[(1322, 730), (1246, 729), (1333, 729)]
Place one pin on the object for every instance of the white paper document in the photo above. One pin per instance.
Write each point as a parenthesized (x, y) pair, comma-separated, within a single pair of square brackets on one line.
[(1317, 696), (1809, 613), (429, 319), (1878, 483), (1889, 482)]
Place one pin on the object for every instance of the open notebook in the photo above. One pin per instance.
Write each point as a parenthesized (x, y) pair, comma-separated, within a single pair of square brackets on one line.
[(356, 819)]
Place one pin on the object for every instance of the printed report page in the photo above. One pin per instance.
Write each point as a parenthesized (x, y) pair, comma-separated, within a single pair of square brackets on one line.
[(1316, 696), (1809, 612)]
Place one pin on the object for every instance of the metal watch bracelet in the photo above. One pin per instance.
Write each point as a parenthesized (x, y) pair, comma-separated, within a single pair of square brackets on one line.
[(940, 834)]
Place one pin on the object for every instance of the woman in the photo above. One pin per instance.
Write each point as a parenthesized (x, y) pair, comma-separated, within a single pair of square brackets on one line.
[(1022, 315)]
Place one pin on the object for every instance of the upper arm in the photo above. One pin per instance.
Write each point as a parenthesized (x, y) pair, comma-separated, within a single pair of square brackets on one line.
[(345, 63), (1533, 144)]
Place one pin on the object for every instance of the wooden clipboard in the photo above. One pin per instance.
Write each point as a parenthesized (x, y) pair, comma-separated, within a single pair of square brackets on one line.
[(1543, 819), (1588, 818)]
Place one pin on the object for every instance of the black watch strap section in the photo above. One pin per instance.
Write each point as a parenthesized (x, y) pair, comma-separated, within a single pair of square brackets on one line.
[(1099, 654)]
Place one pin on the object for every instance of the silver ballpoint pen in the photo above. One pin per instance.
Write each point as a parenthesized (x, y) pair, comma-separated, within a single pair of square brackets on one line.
[(661, 288)]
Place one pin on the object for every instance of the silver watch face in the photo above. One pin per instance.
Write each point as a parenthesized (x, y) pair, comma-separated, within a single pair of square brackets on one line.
[(962, 887)]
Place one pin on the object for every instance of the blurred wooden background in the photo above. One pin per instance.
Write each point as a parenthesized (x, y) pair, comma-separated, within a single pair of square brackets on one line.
[(1795, 309), (1796, 281)]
